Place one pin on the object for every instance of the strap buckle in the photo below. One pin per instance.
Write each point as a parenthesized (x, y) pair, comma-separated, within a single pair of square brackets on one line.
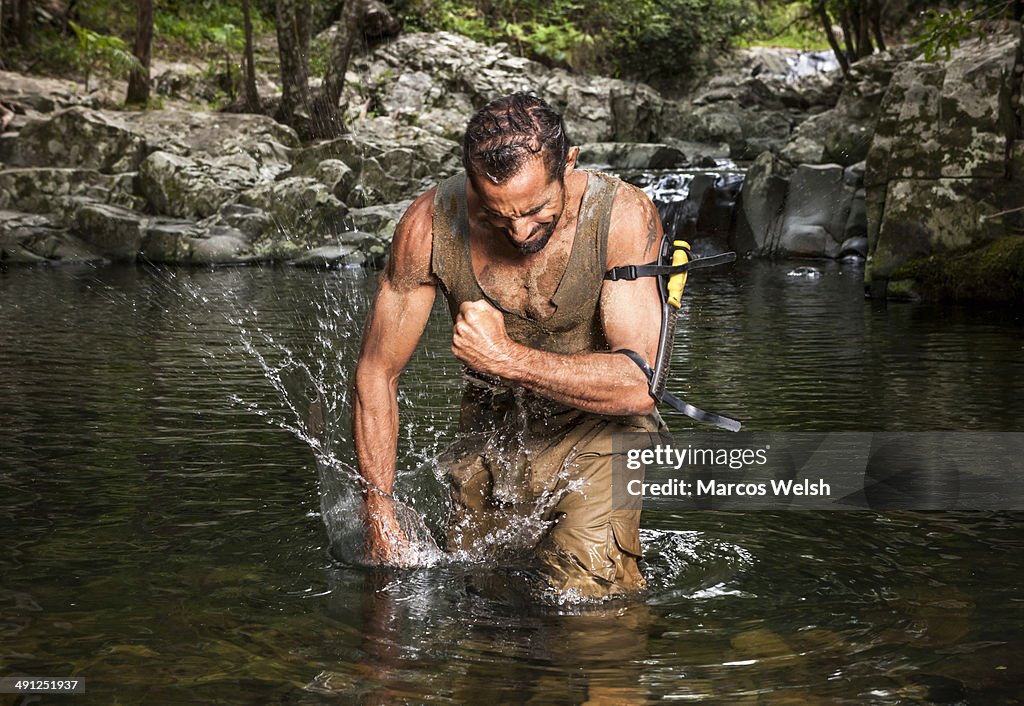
[(626, 272)]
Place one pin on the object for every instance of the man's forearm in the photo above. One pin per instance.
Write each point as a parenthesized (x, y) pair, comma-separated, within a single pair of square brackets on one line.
[(603, 383), (375, 430)]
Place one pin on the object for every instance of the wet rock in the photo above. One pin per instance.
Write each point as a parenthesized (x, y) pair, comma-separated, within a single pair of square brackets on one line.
[(331, 256), (721, 122), (854, 245), (263, 139), (119, 142), (112, 231), (165, 241), (251, 221), (388, 162), (936, 171), (380, 220), (817, 209), (747, 131), (636, 112), (221, 245), (931, 216), (856, 227), (950, 119), (762, 199), (28, 238), (338, 177), (619, 155)]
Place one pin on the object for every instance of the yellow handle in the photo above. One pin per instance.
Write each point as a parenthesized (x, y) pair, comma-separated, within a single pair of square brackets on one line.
[(680, 256)]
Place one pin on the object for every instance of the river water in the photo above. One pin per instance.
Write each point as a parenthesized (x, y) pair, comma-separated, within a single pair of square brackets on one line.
[(164, 540)]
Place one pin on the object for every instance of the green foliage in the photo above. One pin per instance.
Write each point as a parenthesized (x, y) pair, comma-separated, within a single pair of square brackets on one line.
[(637, 38), (319, 56), (96, 50), (206, 33), (943, 31), (786, 24)]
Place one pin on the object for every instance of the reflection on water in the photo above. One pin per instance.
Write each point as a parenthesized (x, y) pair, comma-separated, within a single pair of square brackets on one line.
[(164, 536)]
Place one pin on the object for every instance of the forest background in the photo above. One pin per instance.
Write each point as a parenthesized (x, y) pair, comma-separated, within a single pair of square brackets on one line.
[(668, 43)]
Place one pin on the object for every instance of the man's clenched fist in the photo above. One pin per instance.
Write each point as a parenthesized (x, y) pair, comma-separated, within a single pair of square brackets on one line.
[(480, 341)]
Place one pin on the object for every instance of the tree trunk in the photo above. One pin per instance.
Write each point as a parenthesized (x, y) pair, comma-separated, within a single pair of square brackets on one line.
[(877, 8), (848, 33), (329, 116), (826, 24), (293, 47), (860, 17), (22, 21), (252, 97), (138, 81)]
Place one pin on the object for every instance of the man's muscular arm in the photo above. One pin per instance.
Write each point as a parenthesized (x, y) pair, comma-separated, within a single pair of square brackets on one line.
[(604, 383), (393, 329)]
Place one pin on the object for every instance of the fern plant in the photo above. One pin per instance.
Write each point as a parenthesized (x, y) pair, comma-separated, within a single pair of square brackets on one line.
[(110, 52)]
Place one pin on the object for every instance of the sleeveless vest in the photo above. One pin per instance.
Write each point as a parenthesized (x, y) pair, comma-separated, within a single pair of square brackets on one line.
[(574, 326)]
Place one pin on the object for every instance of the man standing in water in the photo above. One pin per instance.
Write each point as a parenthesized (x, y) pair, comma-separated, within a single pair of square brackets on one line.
[(519, 245)]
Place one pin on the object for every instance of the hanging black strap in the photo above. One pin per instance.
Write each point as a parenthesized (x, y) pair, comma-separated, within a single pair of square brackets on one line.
[(653, 269), (679, 405)]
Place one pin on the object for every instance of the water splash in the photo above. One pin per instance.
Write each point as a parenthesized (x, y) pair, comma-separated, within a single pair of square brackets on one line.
[(306, 354)]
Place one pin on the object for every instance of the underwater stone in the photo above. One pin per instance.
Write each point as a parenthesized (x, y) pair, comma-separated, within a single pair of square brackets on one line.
[(221, 246), (330, 256)]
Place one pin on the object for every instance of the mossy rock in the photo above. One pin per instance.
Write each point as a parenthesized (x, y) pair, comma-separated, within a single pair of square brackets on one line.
[(994, 273)]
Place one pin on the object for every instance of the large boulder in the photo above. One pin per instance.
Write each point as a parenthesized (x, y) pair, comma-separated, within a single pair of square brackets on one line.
[(936, 174), (437, 80), (762, 199), (118, 141), (191, 162), (843, 134), (380, 220), (29, 238), (81, 138), (220, 245), (303, 212), (182, 186), (57, 190), (112, 231), (817, 209), (382, 161), (747, 130), (164, 240)]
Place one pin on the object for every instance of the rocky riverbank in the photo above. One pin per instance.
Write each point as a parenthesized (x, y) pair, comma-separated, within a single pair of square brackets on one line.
[(903, 160)]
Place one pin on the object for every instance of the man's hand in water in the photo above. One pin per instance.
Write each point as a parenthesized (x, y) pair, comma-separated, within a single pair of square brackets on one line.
[(387, 544), (479, 338)]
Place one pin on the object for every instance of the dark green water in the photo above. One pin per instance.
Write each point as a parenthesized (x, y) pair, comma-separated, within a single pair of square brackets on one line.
[(163, 541)]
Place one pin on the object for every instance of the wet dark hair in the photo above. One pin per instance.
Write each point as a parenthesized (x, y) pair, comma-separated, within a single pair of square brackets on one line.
[(506, 133)]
